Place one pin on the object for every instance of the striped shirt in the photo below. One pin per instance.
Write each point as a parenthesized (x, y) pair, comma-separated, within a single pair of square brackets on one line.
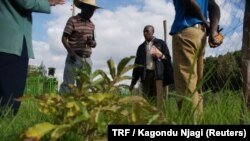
[(79, 29)]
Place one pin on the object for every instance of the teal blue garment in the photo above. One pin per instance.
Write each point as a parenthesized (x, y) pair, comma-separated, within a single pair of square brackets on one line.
[(183, 19), (16, 24)]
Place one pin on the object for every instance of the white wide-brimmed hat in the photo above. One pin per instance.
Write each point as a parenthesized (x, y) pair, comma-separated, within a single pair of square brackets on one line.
[(87, 2)]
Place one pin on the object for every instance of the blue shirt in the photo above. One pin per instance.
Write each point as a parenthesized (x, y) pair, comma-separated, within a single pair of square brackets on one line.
[(183, 19)]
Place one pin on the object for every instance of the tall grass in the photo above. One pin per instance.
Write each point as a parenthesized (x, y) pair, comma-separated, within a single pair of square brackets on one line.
[(222, 108), (11, 127)]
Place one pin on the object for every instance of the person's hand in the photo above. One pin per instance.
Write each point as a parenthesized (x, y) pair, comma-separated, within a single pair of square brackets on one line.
[(131, 87), (90, 42), (56, 2), (72, 55), (215, 40), (155, 52)]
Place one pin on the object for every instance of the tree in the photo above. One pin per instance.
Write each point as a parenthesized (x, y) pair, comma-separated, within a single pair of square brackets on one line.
[(223, 72), (246, 54)]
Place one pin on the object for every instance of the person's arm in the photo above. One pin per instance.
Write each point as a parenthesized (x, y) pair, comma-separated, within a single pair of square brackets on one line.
[(65, 42), (38, 5), (135, 73), (214, 16), (161, 50), (91, 41), (68, 30), (194, 9), (166, 52)]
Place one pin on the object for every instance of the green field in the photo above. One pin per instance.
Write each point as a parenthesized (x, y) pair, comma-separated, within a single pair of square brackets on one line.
[(221, 108)]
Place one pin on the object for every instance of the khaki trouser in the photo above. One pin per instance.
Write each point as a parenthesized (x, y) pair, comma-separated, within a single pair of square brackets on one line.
[(188, 53)]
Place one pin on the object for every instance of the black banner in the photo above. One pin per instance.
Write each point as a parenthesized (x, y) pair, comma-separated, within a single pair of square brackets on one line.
[(184, 132)]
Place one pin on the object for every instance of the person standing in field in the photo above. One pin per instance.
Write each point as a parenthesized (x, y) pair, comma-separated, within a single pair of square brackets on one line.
[(189, 31), (155, 60), (78, 39), (16, 46)]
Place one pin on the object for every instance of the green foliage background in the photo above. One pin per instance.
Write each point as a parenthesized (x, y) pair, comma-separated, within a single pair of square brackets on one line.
[(224, 72)]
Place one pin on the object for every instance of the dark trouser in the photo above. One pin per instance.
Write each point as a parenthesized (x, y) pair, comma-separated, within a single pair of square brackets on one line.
[(148, 85), (13, 73)]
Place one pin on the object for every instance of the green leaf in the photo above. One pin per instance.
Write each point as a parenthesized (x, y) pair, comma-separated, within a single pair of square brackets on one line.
[(112, 108), (128, 68), (97, 82), (97, 115), (181, 96), (122, 64), (111, 66), (39, 130), (119, 79), (59, 131), (105, 76), (94, 74), (86, 68), (83, 117), (133, 116), (73, 109), (84, 114), (154, 118), (100, 97), (133, 100)]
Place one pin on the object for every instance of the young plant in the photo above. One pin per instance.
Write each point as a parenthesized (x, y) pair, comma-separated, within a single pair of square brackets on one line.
[(93, 107)]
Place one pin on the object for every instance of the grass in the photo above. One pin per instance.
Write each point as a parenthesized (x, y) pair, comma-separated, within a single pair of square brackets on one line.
[(12, 127), (221, 108)]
